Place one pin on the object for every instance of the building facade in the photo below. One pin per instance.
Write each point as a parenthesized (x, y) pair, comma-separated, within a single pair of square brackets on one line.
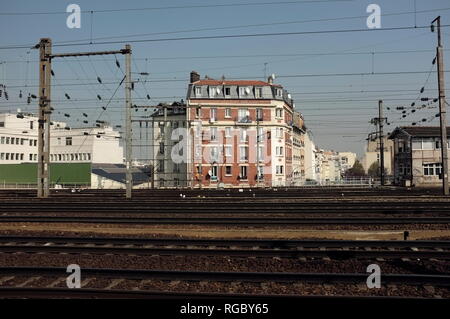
[(169, 123), (417, 156), (372, 154), (19, 138), (242, 133)]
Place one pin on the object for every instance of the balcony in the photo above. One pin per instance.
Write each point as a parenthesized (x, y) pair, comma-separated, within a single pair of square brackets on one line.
[(243, 120)]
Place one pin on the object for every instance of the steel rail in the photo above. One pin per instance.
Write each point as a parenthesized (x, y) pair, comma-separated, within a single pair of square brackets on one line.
[(282, 253), (263, 243), (411, 279), (229, 221)]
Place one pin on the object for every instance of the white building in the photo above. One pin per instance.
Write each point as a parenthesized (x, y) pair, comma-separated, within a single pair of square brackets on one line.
[(310, 158), (19, 139)]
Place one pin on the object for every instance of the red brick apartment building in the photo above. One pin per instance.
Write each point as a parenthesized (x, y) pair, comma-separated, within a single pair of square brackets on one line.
[(241, 133)]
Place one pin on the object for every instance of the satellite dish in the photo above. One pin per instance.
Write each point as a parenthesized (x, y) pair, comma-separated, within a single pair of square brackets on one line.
[(273, 76), (218, 90), (247, 90)]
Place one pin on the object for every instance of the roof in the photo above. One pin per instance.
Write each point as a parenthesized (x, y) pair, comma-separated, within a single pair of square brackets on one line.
[(117, 172), (234, 82), (419, 131)]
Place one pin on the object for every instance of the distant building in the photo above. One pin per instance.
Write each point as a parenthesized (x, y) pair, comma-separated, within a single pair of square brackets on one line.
[(241, 133), (298, 150), (417, 155), (347, 160), (372, 154), (311, 166), (166, 120), (19, 138)]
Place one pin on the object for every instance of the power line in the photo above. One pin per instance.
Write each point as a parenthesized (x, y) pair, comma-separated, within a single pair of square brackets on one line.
[(229, 36), (253, 25), (247, 4)]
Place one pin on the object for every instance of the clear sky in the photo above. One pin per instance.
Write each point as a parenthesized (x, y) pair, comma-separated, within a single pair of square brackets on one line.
[(337, 109)]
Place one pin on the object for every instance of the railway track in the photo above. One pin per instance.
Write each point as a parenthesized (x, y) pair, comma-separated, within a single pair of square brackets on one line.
[(243, 221), (238, 248), (219, 276)]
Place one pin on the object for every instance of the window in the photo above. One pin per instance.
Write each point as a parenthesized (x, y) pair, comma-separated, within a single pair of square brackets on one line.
[(279, 150), (417, 144), (31, 157), (243, 135), (278, 112), (21, 156), (261, 171), (259, 114), (227, 91), (279, 169), (214, 154), (13, 139), (22, 141), (261, 153), (427, 144), (213, 133), (279, 92), (258, 92), (279, 132), (31, 125), (2, 140), (243, 153), (213, 114), (35, 142), (228, 151), (7, 140), (68, 141), (161, 148), (198, 112), (227, 112), (198, 90), (260, 136), (228, 170), (434, 169), (243, 115), (2, 124), (7, 156), (2, 156), (214, 170), (227, 131), (243, 172), (243, 91)]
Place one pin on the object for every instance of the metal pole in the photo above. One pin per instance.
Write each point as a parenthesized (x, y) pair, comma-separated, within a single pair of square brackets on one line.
[(442, 110), (257, 148), (43, 175), (128, 131), (380, 123)]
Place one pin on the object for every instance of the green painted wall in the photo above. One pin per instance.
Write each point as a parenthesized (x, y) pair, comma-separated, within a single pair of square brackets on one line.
[(61, 173)]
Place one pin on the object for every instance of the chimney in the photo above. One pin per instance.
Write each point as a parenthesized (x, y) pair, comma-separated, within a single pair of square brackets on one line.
[(271, 78), (195, 76)]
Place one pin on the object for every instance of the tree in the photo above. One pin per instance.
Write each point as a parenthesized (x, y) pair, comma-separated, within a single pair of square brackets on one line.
[(356, 170), (374, 170)]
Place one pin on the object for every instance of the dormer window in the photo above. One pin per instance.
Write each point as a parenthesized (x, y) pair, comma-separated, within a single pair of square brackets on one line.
[(227, 91), (198, 91), (279, 92), (258, 92), (244, 91)]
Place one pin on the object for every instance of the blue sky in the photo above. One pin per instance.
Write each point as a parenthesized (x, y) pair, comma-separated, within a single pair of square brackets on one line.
[(336, 108)]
